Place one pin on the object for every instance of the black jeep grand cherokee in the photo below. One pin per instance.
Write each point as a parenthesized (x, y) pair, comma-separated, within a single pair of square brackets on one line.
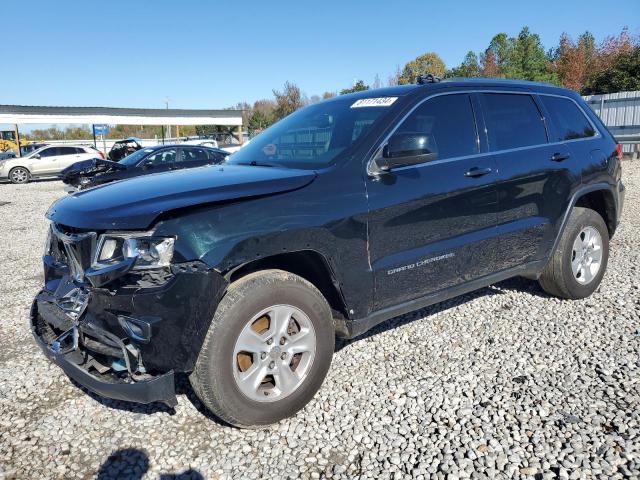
[(345, 214)]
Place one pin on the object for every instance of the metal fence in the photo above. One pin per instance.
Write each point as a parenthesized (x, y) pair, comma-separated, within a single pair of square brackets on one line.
[(620, 112)]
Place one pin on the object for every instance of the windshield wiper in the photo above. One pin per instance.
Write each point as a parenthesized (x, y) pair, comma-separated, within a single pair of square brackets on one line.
[(253, 163)]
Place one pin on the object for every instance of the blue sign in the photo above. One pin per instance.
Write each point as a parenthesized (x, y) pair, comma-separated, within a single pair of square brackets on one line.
[(101, 129)]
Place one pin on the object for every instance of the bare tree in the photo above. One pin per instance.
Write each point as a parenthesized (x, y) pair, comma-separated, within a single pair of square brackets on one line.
[(394, 79)]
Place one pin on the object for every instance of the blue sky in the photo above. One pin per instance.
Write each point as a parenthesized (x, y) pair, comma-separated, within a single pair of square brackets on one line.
[(206, 54)]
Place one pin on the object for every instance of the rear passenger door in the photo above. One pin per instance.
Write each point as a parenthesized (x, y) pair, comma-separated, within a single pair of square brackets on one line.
[(534, 180), (70, 155), (433, 225), (569, 124)]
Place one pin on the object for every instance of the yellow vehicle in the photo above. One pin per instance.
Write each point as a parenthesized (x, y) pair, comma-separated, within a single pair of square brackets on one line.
[(8, 141)]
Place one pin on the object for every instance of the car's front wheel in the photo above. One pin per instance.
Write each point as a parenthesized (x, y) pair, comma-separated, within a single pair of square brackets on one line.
[(267, 350), (19, 175)]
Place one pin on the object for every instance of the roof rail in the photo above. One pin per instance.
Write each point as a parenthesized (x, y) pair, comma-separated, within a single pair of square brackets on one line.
[(428, 78)]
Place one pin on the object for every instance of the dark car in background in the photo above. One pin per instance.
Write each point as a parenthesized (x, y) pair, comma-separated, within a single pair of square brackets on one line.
[(161, 158), (124, 148), (32, 147)]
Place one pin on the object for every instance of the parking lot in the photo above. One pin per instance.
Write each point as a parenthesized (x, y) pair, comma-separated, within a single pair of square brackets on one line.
[(504, 382)]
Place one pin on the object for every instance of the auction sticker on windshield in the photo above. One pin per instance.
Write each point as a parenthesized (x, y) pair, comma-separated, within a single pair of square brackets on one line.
[(374, 102)]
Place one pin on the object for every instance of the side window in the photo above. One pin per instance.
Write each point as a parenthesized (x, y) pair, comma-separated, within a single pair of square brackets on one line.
[(163, 157), (66, 151), (448, 123), (48, 152), (183, 155), (188, 154), (197, 155), (216, 155), (513, 121), (569, 122)]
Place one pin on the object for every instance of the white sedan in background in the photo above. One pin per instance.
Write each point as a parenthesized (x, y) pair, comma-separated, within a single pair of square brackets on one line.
[(45, 162)]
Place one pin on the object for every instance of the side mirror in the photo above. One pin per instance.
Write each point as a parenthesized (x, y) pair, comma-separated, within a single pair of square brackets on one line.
[(147, 164), (405, 149), (36, 156)]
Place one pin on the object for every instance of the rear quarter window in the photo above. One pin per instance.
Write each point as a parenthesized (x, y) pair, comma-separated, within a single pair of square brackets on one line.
[(67, 150), (513, 121), (569, 122)]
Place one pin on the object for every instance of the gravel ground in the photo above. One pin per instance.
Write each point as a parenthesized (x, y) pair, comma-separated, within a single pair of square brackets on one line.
[(504, 382)]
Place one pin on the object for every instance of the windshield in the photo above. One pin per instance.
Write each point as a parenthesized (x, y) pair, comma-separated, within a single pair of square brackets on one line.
[(135, 157), (314, 136)]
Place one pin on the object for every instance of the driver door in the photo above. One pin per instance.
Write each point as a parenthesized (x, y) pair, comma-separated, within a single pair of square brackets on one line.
[(434, 225), (47, 163)]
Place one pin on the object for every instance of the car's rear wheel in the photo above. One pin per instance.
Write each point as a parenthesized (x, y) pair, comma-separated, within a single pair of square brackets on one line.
[(267, 350), (577, 266), (19, 175)]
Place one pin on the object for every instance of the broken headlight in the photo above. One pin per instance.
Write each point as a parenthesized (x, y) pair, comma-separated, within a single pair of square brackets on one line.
[(148, 251)]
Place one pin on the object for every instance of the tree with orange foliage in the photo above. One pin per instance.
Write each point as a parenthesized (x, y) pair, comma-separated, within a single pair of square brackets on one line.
[(615, 65), (489, 65), (573, 61)]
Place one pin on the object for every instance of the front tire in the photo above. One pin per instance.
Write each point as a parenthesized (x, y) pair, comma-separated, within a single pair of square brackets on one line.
[(267, 351), (578, 264), (19, 175)]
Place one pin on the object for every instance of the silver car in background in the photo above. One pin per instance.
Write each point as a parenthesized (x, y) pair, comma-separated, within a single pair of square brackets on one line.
[(45, 162)]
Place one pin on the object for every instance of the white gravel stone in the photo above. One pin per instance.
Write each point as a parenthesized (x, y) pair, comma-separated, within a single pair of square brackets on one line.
[(500, 382)]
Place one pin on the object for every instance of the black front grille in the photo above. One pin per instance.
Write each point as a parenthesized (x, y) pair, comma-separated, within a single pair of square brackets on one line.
[(73, 249), (57, 251)]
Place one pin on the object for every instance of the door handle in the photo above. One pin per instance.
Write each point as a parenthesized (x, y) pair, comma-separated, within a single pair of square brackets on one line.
[(559, 157), (477, 172)]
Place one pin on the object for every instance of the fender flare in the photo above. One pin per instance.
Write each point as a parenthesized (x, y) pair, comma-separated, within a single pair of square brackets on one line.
[(572, 203)]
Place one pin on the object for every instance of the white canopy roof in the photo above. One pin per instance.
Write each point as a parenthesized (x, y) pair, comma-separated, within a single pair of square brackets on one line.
[(22, 114)]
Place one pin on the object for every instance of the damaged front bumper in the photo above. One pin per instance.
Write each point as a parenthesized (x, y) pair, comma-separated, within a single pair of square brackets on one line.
[(125, 339), (65, 350), (118, 331)]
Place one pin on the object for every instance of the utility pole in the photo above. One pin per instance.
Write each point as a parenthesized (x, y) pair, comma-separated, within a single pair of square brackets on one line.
[(17, 135), (166, 102)]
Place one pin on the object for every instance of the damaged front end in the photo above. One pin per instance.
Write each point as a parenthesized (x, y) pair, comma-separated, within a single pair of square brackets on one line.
[(119, 315), (80, 174)]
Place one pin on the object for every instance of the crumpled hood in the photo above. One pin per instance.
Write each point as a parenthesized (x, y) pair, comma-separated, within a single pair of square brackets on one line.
[(88, 168), (134, 204)]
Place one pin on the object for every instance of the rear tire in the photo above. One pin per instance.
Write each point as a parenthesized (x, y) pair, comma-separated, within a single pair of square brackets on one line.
[(272, 329), (19, 175), (579, 262)]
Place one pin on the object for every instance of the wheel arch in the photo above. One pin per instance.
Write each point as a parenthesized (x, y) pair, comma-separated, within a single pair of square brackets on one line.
[(603, 202), (308, 264), (602, 192), (21, 166)]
